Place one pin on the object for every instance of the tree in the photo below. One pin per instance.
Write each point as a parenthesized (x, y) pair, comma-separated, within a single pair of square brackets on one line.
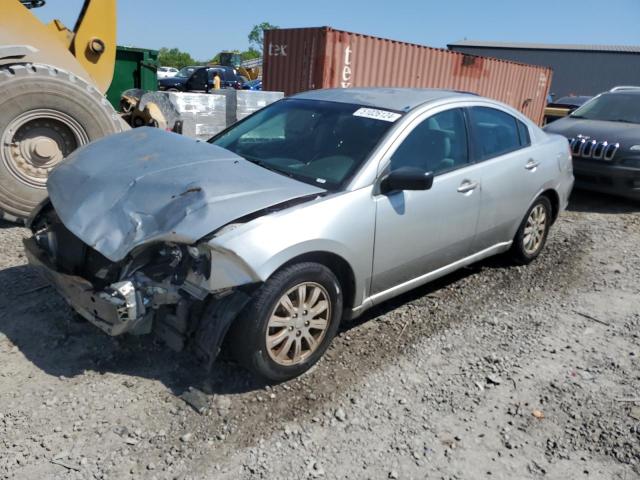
[(250, 54), (172, 57), (256, 36)]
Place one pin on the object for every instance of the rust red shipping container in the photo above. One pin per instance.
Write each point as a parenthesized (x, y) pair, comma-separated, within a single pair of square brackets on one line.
[(300, 59)]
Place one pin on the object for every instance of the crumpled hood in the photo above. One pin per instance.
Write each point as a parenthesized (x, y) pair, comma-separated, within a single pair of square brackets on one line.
[(147, 185)]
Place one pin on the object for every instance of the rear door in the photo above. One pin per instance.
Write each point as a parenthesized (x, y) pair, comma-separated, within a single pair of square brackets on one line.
[(509, 173)]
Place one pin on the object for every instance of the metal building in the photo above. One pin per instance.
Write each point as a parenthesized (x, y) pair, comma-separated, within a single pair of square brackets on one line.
[(577, 69)]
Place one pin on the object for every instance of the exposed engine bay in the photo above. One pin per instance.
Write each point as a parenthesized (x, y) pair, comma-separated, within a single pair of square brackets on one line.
[(153, 289)]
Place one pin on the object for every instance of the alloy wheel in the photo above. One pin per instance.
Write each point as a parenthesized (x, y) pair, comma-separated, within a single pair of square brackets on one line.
[(298, 323), (535, 230)]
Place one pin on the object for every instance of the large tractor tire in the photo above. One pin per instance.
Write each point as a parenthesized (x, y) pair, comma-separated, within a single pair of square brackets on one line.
[(45, 114)]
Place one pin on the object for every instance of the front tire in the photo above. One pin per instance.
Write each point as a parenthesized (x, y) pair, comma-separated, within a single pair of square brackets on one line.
[(290, 322), (533, 232)]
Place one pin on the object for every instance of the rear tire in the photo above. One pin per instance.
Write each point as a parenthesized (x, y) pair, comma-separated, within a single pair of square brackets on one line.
[(533, 232), (45, 114), (278, 336)]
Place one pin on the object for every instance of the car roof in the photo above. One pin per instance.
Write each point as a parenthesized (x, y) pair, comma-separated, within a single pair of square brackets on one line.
[(400, 99), (623, 92)]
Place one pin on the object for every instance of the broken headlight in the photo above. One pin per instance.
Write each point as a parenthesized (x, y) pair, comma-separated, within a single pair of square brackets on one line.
[(169, 262)]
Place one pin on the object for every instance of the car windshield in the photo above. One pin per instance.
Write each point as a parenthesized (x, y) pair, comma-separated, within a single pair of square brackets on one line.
[(185, 72), (317, 142), (612, 107)]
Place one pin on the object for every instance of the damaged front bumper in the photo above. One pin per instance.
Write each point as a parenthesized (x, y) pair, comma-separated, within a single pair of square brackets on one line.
[(117, 309)]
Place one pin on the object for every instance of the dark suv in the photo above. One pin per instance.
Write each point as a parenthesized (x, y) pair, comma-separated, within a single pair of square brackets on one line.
[(604, 137), (194, 79)]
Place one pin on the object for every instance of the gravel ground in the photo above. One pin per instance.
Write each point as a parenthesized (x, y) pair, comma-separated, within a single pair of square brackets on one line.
[(495, 372)]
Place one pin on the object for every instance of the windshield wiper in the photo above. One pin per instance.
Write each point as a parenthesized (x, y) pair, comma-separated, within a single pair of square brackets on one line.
[(622, 120), (262, 164), (576, 116)]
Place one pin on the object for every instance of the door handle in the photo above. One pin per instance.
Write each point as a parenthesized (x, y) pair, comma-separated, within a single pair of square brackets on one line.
[(468, 186), (531, 164)]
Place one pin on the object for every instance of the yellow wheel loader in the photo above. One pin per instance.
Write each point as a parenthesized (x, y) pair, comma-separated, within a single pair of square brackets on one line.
[(52, 85), (233, 59)]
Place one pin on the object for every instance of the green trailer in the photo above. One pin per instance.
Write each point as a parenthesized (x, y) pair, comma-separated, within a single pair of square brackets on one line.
[(135, 68)]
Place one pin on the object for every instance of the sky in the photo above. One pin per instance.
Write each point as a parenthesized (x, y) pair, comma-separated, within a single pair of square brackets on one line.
[(204, 27)]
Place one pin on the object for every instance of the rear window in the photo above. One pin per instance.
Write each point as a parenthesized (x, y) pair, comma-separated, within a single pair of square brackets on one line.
[(495, 132), (525, 136)]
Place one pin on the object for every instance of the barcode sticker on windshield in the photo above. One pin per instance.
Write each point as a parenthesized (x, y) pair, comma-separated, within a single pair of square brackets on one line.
[(376, 114)]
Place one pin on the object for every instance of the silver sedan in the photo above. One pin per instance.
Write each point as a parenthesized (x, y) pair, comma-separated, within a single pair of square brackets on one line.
[(302, 215)]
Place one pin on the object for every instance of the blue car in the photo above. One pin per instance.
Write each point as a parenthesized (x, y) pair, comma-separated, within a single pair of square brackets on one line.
[(252, 85)]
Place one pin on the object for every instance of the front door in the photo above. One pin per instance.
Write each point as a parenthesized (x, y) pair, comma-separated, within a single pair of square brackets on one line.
[(418, 232)]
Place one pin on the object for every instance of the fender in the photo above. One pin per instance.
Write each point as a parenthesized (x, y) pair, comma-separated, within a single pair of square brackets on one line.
[(217, 317)]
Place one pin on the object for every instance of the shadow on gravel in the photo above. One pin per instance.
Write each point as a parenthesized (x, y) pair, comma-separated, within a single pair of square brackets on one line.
[(228, 378), (431, 289), (59, 342), (4, 224), (594, 202), (43, 329), (47, 332)]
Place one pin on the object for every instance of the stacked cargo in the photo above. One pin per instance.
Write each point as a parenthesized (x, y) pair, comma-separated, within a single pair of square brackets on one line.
[(249, 101), (202, 115), (301, 59)]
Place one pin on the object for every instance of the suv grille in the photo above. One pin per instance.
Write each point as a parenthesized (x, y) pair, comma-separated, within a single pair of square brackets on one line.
[(593, 149)]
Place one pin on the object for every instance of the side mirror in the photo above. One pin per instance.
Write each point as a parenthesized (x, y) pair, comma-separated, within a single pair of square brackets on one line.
[(406, 178)]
